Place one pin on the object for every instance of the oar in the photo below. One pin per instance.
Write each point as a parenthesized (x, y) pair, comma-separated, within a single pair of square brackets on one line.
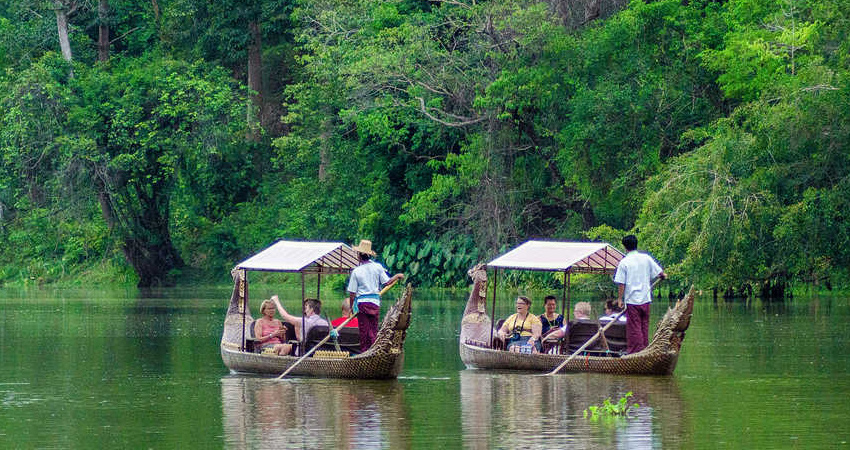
[(336, 341), (319, 344), (595, 336), (586, 344)]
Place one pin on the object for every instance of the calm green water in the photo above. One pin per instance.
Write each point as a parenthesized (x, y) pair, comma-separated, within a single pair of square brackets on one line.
[(118, 369)]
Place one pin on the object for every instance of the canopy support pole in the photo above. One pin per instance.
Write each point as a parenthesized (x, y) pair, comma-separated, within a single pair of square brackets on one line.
[(493, 310), (303, 319), (243, 285), (569, 293), (564, 294)]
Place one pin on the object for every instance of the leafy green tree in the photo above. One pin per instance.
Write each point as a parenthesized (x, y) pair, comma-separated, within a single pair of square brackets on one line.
[(541, 132), (140, 126), (704, 220), (759, 200), (50, 224), (362, 145), (442, 130), (149, 141)]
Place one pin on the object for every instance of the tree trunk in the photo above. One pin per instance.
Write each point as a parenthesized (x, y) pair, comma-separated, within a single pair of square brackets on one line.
[(142, 226), (62, 25), (255, 79), (147, 241), (155, 6), (152, 262), (106, 209), (103, 31), (324, 150), (323, 160), (575, 14)]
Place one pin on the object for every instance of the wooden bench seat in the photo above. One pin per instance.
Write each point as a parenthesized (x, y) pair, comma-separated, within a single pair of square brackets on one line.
[(349, 339)]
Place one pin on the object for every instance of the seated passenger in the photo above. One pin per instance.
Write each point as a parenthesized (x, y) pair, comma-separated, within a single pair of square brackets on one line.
[(550, 319), (611, 312), (269, 331), (552, 324), (521, 330), (582, 329), (346, 313), (312, 318), (581, 311)]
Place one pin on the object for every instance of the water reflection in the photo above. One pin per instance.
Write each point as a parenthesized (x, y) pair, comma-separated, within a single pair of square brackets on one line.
[(751, 375), (813, 307), (509, 410), (313, 413)]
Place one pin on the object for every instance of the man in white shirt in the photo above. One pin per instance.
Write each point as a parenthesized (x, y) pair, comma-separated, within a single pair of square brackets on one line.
[(634, 284), (364, 289)]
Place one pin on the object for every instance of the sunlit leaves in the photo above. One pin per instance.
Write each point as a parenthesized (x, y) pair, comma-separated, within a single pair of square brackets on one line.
[(768, 44)]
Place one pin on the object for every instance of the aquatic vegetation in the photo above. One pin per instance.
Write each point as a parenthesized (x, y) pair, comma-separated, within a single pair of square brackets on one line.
[(608, 409)]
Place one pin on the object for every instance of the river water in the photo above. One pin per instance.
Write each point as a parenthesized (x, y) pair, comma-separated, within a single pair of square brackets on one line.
[(122, 369)]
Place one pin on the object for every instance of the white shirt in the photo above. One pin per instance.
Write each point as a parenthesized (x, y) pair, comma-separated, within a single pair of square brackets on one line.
[(366, 280), (636, 271), (611, 317)]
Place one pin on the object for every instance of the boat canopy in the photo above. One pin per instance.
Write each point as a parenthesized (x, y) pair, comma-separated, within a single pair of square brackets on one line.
[(555, 256), (304, 257)]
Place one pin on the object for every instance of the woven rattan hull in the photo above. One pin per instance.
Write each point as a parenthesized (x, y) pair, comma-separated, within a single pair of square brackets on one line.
[(659, 358), (637, 364), (383, 360), (378, 365)]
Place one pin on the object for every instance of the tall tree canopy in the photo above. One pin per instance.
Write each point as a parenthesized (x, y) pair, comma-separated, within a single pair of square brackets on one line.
[(445, 131)]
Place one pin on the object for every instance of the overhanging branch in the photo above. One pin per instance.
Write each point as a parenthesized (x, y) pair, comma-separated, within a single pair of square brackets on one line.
[(462, 121)]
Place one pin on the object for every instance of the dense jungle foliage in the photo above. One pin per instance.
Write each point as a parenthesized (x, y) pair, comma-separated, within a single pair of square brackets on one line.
[(156, 141)]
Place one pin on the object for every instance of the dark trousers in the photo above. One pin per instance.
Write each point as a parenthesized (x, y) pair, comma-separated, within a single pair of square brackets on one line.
[(367, 323), (637, 327)]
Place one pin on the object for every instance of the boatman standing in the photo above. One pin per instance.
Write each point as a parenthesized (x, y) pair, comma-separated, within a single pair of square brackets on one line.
[(364, 289), (634, 276)]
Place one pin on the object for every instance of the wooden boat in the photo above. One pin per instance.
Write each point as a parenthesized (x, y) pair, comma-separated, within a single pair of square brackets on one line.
[(476, 336), (382, 361)]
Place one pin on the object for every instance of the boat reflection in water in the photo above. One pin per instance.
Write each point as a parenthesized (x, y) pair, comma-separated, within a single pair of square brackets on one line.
[(514, 410), (312, 413)]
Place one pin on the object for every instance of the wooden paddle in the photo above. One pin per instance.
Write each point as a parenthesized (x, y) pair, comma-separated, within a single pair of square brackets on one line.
[(319, 344), (336, 341), (595, 336)]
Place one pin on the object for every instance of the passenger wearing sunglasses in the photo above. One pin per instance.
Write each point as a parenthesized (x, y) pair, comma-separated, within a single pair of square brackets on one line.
[(521, 331)]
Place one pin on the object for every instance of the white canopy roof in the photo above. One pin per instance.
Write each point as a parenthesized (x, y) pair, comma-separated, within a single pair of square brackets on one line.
[(300, 256), (577, 257)]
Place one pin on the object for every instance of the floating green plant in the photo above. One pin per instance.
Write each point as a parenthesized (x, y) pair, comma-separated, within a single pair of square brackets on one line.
[(608, 409)]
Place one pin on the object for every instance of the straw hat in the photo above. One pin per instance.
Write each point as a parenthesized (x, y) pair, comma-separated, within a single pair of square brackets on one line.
[(365, 247)]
